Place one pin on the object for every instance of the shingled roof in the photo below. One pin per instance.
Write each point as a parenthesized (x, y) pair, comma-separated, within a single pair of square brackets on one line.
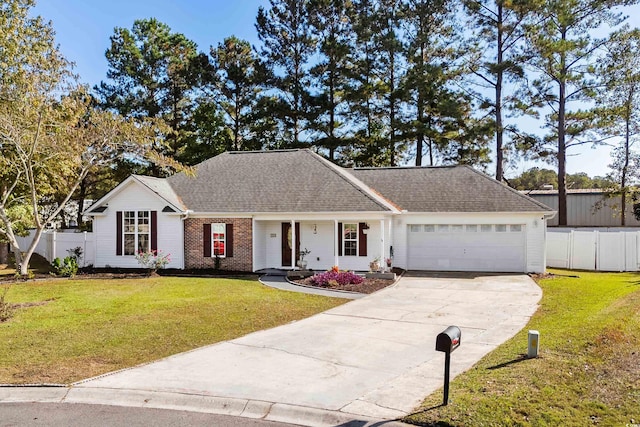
[(446, 189), (274, 181)]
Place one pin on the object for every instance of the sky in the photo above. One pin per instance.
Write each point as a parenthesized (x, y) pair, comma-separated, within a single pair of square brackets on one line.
[(83, 28)]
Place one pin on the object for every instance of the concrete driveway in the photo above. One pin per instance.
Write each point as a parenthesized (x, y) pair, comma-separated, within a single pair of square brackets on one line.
[(372, 358)]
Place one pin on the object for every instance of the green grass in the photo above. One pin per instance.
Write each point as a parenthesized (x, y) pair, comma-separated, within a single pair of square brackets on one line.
[(83, 328), (588, 372)]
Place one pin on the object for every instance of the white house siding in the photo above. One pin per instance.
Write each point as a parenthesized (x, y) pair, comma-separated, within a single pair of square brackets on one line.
[(534, 228), (260, 237), (136, 197)]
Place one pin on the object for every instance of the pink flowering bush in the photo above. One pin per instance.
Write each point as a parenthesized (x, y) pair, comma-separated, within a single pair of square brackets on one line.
[(153, 260), (334, 277)]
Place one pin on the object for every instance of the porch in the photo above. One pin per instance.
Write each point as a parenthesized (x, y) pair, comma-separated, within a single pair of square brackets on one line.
[(346, 242)]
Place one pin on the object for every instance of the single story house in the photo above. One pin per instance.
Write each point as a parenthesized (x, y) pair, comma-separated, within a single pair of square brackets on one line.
[(257, 210), (587, 208)]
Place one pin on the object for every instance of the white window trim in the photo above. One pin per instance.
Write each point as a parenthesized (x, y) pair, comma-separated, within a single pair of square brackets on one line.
[(345, 240), (224, 241), (135, 233)]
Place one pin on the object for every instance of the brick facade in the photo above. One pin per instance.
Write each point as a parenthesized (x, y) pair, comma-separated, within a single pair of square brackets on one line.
[(242, 245)]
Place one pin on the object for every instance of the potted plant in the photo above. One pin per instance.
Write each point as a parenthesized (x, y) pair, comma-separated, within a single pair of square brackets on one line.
[(388, 260), (302, 263), (375, 264)]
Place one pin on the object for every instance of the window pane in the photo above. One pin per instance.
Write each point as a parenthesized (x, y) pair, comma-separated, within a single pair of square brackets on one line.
[(415, 228), (129, 214), (143, 242), (457, 228), (350, 248), (443, 227), (143, 214), (129, 244), (429, 228), (350, 231), (501, 228), (486, 228), (218, 228), (218, 248), (515, 228), (472, 228)]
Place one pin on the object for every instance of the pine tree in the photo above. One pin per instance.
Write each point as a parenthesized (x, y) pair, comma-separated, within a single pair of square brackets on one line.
[(288, 44), (562, 51)]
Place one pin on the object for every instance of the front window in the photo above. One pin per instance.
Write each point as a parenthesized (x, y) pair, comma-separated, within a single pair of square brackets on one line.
[(137, 232), (350, 239), (218, 235)]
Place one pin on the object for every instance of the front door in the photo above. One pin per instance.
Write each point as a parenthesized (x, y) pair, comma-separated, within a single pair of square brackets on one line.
[(286, 243)]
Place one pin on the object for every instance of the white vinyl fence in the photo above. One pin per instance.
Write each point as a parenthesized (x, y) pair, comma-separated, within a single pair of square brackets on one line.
[(55, 244), (610, 250)]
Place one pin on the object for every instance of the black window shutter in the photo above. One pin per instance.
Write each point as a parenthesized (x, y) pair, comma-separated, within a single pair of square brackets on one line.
[(154, 230), (206, 239), (362, 239), (229, 248), (339, 239), (119, 233)]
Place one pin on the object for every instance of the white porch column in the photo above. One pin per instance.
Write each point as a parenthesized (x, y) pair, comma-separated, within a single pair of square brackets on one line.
[(293, 244), (383, 239), (335, 242)]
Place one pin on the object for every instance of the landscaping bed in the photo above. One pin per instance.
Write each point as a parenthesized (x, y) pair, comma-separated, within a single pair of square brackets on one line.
[(368, 286), (362, 285)]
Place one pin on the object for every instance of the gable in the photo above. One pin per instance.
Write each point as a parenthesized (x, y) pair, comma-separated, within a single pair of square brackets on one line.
[(157, 189)]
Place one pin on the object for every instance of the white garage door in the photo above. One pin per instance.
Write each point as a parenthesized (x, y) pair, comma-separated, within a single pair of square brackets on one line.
[(475, 247)]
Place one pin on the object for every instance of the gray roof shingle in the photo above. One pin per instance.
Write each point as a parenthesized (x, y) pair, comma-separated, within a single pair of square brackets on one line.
[(446, 189), (273, 181)]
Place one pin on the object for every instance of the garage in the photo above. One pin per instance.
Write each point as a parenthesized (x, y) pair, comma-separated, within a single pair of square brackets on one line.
[(467, 247)]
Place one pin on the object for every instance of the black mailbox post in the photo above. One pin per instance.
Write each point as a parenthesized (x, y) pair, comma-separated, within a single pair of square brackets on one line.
[(447, 341)]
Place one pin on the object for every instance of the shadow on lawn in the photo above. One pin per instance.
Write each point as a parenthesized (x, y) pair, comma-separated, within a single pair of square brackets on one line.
[(427, 423), (519, 359)]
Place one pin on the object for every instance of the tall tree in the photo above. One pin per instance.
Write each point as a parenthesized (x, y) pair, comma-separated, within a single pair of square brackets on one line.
[(442, 114), (363, 85), (287, 46), (235, 89), (154, 73), (390, 66), (331, 26), (620, 105), (562, 51), (498, 33)]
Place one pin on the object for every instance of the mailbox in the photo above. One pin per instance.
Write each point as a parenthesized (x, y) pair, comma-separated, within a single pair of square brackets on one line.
[(448, 340)]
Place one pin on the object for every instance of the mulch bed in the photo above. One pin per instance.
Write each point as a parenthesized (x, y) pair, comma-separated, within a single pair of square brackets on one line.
[(369, 286)]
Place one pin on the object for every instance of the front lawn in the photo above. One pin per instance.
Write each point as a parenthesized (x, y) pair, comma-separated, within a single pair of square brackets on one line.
[(68, 330), (588, 372)]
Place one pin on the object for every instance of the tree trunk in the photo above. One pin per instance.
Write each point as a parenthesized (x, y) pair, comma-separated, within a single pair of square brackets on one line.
[(562, 155), (82, 194), (499, 75), (623, 177)]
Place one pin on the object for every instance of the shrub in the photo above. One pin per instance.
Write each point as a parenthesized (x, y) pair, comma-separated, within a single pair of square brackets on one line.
[(152, 260), (68, 267), (333, 278)]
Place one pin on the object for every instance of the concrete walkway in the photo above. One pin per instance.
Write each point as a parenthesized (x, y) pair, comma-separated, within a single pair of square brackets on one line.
[(369, 359)]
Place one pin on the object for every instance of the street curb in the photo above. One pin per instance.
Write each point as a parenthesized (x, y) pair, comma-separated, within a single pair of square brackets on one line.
[(255, 409)]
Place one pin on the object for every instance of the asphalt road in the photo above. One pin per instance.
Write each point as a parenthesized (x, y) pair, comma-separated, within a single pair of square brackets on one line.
[(71, 415)]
